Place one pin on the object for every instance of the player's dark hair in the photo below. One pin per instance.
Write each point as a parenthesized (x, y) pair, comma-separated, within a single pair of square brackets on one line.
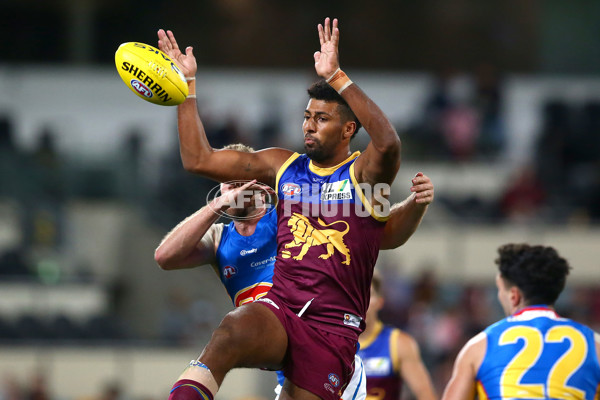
[(321, 90), (538, 271)]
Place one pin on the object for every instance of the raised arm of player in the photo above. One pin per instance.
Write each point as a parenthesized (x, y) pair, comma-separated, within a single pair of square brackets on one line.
[(187, 245), (597, 340), (462, 382), (406, 217), (413, 370), (380, 161), (196, 153)]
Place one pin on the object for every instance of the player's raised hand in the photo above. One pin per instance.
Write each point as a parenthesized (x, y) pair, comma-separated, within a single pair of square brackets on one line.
[(185, 61), (327, 59), (423, 189), (236, 195)]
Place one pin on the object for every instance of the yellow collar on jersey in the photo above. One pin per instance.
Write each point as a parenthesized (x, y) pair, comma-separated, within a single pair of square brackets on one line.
[(324, 171)]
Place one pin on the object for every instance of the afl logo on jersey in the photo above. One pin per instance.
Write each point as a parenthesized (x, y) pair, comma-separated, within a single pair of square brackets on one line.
[(229, 271), (290, 189)]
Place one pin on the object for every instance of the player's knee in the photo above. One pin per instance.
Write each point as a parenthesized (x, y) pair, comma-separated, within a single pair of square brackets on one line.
[(229, 332)]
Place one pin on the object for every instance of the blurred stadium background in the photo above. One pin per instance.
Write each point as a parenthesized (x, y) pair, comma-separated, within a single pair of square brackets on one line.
[(498, 102)]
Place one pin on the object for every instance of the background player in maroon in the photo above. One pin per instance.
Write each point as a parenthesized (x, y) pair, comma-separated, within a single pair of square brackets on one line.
[(391, 356), (253, 336)]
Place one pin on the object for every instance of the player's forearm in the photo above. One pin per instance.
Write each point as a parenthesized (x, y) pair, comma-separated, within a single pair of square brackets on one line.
[(179, 246), (422, 386), (194, 147), (382, 133), (403, 223), (426, 393)]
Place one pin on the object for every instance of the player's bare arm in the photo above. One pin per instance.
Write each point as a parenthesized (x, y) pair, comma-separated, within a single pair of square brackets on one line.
[(413, 370), (406, 217), (380, 161), (184, 246), (197, 155), (597, 340), (462, 382)]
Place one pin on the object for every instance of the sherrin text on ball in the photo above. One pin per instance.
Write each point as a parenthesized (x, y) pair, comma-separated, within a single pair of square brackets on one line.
[(151, 74)]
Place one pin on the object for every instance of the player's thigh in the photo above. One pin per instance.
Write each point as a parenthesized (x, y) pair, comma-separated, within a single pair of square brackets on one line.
[(249, 336)]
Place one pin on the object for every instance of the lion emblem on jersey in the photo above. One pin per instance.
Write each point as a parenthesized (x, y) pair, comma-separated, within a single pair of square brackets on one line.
[(307, 236)]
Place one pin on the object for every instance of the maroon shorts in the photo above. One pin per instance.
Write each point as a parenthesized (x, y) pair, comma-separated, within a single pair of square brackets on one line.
[(318, 361)]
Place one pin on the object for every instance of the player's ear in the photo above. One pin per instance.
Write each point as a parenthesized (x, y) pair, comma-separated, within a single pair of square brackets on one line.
[(515, 296), (349, 129)]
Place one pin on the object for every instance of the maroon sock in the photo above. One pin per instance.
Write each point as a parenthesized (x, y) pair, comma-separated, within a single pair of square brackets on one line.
[(187, 389)]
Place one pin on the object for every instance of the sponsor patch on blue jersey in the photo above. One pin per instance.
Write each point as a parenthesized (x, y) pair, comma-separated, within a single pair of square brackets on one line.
[(246, 252), (339, 190)]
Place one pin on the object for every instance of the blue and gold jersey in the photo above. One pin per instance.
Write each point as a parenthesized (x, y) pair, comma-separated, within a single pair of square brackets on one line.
[(379, 353), (535, 354), (245, 263)]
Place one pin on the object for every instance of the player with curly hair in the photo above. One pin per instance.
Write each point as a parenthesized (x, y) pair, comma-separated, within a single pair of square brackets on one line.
[(533, 353)]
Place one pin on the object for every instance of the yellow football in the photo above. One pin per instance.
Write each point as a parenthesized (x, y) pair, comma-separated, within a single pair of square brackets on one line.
[(151, 74)]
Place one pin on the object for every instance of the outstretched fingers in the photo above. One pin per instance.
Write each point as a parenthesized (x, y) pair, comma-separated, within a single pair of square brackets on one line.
[(335, 35), (172, 41), (167, 42), (329, 32), (327, 29), (326, 59), (162, 40), (321, 34)]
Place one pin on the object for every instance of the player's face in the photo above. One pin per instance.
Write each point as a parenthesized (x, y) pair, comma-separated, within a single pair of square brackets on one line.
[(322, 128), (503, 294), (235, 211)]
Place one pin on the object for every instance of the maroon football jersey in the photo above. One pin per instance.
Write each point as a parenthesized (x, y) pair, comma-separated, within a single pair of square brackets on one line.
[(328, 239)]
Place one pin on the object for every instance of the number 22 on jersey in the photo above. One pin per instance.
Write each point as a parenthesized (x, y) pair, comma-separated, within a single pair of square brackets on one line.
[(553, 382)]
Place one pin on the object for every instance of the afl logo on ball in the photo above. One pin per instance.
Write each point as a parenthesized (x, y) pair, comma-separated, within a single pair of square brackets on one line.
[(141, 88)]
